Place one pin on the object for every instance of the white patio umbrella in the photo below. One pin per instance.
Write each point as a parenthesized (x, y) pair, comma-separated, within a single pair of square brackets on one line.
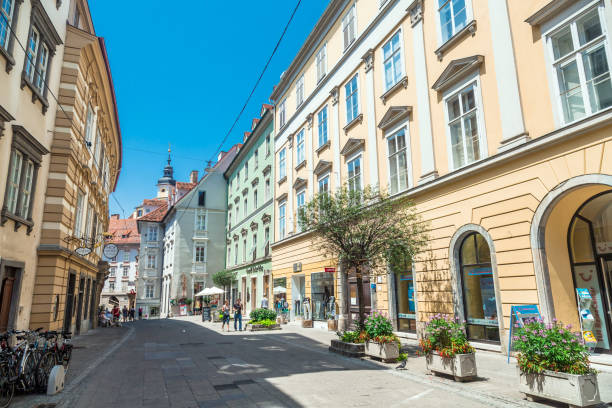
[(279, 289), (210, 291)]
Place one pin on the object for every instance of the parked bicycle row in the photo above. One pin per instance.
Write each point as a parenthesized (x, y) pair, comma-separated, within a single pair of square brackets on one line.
[(27, 359)]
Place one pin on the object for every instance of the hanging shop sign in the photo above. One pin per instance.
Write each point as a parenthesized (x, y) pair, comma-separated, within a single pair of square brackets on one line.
[(330, 270), (519, 314), (110, 251), (83, 251)]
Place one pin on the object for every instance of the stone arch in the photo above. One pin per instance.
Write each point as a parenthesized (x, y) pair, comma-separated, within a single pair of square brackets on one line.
[(538, 231), (455, 270)]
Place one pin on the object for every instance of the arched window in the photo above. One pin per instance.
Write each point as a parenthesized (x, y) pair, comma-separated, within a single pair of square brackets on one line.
[(479, 302)]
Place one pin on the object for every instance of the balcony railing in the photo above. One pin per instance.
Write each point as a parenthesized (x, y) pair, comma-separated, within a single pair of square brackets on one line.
[(200, 234)]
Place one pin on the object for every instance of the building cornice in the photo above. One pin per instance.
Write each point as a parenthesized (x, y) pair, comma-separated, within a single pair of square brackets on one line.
[(256, 133)]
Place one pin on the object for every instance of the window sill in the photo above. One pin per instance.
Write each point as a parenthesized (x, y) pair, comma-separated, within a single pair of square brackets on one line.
[(402, 83), (5, 215), (299, 166), (469, 28), (322, 148), (36, 95), (353, 123), (321, 79), (281, 181), (10, 61)]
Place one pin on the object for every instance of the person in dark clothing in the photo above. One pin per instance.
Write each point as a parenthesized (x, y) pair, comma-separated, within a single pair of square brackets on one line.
[(140, 313), (124, 312), (238, 315), (132, 312)]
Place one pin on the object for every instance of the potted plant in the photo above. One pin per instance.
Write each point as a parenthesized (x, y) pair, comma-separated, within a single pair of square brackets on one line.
[(263, 319), (349, 343), (381, 342), (553, 363), (447, 349)]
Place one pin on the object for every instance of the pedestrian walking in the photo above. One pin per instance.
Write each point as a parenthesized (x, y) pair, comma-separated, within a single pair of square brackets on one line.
[(140, 313), (132, 312), (124, 312), (238, 315), (225, 310), (264, 302), (116, 314)]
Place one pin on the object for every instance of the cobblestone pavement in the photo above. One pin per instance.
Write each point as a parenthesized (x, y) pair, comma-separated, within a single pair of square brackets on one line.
[(184, 363)]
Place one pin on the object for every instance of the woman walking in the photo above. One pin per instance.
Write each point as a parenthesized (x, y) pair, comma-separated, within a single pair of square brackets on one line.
[(238, 315), (225, 310)]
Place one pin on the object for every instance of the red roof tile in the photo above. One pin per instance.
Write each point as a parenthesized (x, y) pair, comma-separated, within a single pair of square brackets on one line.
[(185, 186), (156, 215), (154, 201), (124, 231)]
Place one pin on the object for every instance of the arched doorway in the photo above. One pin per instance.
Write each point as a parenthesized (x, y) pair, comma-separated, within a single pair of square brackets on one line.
[(590, 252), (478, 289)]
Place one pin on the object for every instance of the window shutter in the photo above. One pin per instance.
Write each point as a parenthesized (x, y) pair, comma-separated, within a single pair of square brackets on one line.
[(202, 198)]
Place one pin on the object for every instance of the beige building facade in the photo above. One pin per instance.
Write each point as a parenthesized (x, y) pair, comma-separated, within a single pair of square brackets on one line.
[(494, 118), (31, 48)]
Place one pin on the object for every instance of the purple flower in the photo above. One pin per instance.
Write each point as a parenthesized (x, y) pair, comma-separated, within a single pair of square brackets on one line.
[(552, 343), (524, 338), (568, 327), (515, 338)]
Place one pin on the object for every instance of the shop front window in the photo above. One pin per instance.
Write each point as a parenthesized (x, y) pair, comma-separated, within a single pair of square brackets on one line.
[(280, 294), (480, 303), (406, 302), (321, 293)]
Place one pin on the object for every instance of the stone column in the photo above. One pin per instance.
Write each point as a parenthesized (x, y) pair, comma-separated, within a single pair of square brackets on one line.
[(336, 137), (372, 146), (428, 165)]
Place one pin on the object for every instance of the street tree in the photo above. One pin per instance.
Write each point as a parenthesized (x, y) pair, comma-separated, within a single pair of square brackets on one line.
[(366, 230), (224, 278)]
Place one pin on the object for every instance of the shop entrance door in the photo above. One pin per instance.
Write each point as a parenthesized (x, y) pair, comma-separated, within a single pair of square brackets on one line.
[(68, 307), (6, 296), (253, 293), (606, 266), (80, 305)]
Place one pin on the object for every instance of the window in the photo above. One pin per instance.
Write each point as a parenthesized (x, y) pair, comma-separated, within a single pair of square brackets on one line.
[(229, 254), (267, 189), (301, 156), (462, 112), (6, 16), (299, 91), (237, 212), (202, 198), (113, 271), (392, 61), (237, 180), (267, 145), (244, 250), (300, 202), (282, 113), (256, 158), (352, 99), (348, 27), (111, 286), (321, 60), (152, 233), (581, 66), (139, 214), (31, 54), (236, 254), (324, 184), (282, 171), (98, 147), (151, 261), (246, 170), (89, 125), (126, 256), (149, 291), (479, 300), (88, 220), (453, 17), (201, 221), (354, 174), (229, 222), (254, 199), (322, 121), (37, 61), (246, 210), (398, 161), (126, 271), (254, 247), (200, 254), (281, 221), (78, 214)]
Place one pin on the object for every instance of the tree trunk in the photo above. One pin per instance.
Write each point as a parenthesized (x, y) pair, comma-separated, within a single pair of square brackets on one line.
[(359, 279)]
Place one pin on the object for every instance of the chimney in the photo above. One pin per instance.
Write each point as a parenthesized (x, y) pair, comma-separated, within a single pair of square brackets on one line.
[(114, 216), (193, 177), (220, 156)]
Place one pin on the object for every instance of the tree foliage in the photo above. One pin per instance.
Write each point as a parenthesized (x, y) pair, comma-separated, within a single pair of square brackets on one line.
[(224, 278), (366, 230)]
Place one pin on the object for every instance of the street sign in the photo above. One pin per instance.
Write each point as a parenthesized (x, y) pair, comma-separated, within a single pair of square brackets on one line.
[(330, 270), (82, 251), (110, 251)]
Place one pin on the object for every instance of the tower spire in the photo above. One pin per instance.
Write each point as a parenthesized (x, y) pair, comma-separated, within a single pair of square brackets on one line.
[(169, 151)]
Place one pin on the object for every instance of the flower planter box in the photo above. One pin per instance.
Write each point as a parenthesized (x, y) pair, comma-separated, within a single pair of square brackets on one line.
[(261, 327), (347, 349), (332, 325), (307, 324), (572, 389), (461, 366), (387, 352)]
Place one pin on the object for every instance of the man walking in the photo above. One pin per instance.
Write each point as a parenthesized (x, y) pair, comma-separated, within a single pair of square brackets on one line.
[(124, 312), (238, 315), (140, 313)]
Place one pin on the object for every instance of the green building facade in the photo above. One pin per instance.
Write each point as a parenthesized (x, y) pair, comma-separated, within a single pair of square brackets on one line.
[(250, 225)]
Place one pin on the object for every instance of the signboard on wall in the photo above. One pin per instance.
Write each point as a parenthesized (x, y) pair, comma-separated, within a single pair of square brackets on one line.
[(330, 270), (519, 314)]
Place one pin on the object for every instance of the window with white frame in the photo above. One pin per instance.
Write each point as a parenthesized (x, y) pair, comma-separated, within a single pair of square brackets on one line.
[(6, 19), (254, 246), (149, 291), (321, 61), (151, 261), (111, 286), (256, 158), (229, 221), (352, 99), (229, 255), (246, 170), (113, 271), (453, 17), (237, 212), (246, 210), (580, 62), (354, 174), (126, 256), (348, 27), (281, 220), (31, 54), (462, 109), (267, 145), (126, 271), (89, 125), (255, 199), (98, 147), (398, 161), (244, 250), (88, 220), (282, 113), (267, 189), (300, 200), (324, 184), (78, 214), (299, 91), (301, 155), (392, 61), (236, 254), (322, 125), (200, 254), (201, 221), (152, 236), (282, 171)]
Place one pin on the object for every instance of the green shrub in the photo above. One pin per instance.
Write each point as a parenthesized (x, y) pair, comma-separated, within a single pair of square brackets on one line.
[(446, 336), (259, 315), (378, 325), (265, 323), (352, 336), (402, 357)]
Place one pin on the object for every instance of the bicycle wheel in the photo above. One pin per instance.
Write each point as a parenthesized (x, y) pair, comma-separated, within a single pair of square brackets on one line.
[(28, 376), (67, 354), (43, 369), (7, 386)]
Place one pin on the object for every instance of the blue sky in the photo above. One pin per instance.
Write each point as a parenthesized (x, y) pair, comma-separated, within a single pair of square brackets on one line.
[(181, 76)]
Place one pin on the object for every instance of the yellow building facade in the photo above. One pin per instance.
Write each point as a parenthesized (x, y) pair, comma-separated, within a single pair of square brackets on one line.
[(494, 118)]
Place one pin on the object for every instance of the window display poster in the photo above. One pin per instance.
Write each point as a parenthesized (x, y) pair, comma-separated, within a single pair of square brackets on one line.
[(487, 292), (586, 277)]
